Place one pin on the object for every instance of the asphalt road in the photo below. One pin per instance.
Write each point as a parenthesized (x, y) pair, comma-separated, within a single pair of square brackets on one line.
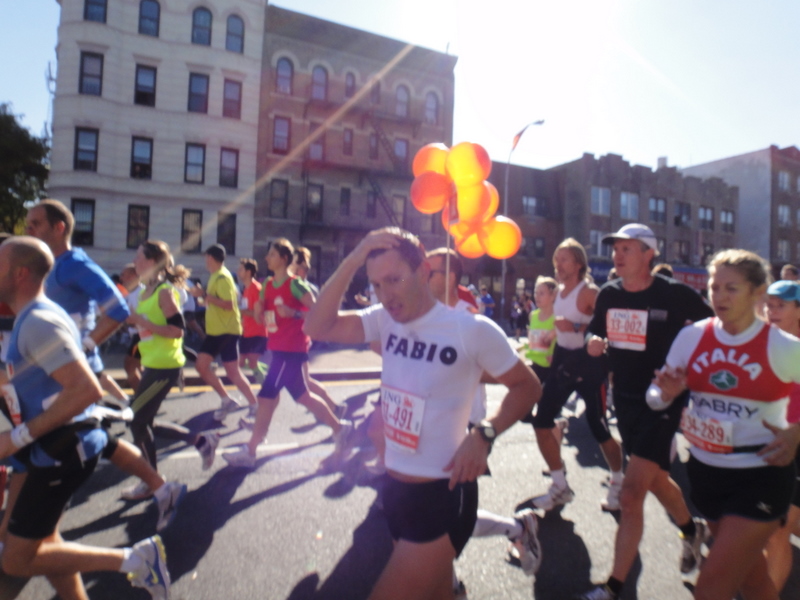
[(289, 530)]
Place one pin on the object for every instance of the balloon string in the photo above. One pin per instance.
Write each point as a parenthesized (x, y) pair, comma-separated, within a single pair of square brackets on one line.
[(447, 270)]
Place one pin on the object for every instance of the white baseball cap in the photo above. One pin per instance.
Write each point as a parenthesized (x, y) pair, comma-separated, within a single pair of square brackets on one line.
[(634, 231)]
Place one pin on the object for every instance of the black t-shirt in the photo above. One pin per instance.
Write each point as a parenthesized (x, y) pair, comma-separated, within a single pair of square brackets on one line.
[(640, 327)]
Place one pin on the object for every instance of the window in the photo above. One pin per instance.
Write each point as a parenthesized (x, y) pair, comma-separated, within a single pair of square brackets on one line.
[(662, 244), (314, 203), (783, 250), (784, 220), (319, 83), (232, 99), (344, 202), (431, 109), (683, 214), (708, 252), (316, 149), (399, 209), (375, 93), (681, 251), (94, 10), (705, 218), (191, 230), (284, 72), (726, 221), (401, 152), (783, 180), (198, 93), (425, 223), (83, 232), (597, 247), (201, 26), (226, 231), (281, 133), (85, 158), (228, 167), (278, 198), (91, 81), (534, 247), (234, 38), (195, 169), (138, 225), (349, 85), (533, 206), (629, 206), (142, 158), (347, 142), (371, 201), (373, 145), (149, 17), (601, 201), (402, 99), (658, 210), (145, 90)]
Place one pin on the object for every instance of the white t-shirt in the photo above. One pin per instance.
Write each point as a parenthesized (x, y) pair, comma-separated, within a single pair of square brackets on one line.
[(479, 403), (431, 369)]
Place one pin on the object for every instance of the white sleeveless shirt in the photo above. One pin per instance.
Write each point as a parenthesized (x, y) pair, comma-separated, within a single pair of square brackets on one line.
[(568, 309)]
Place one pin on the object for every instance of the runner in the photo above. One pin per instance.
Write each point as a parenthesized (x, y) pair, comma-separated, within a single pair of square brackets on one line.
[(637, 316), (433, 360), (223, 329), (285, 299), (573, 370), (49, 393), (253, 343), (739, 371)]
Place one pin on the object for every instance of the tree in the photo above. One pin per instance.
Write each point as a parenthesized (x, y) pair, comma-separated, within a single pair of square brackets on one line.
[(23, 171)]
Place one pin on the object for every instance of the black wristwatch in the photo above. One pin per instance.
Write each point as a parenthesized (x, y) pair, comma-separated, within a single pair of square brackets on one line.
[(486, 430), (576, 326)]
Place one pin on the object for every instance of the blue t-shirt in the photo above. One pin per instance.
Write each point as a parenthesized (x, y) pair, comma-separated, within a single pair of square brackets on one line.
[(81, 287), (488, 305)]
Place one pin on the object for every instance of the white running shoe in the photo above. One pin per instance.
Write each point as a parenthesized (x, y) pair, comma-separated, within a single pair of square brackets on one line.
[(209, 449), (241, 458), (611, 503), (140, 491), (529, 548), (228, 406), (691, 552), (554, 497), (168, 503), (153, 574), (599, 592), (340, 437)]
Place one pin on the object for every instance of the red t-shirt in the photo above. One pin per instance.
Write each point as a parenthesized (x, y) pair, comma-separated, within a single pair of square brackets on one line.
[(285, 334), (250, 327)]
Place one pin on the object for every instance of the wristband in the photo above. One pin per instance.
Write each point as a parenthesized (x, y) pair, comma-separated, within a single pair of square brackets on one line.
[(88, 344), (20, 436)]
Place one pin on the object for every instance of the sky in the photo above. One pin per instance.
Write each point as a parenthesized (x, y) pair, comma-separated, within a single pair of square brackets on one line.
[(689, 80)]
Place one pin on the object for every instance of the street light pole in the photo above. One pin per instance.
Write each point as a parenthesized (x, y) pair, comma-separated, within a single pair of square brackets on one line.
[(505, 211)]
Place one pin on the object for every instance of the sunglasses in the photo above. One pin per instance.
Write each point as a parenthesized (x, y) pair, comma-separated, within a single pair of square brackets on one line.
[(785, 290)]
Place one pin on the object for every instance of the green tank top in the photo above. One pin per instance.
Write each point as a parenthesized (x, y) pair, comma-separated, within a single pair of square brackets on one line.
[(538, 351), (159, 352)]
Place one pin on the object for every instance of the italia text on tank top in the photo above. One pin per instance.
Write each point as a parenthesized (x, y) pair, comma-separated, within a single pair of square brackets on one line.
[(568, 308)]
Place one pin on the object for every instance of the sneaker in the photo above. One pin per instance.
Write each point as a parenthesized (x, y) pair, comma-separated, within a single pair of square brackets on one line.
[(375, 468), (691, 553), (228, 406), (209, 449), (140, 491), (611, 503), (529, 548), (168, 504), (153, 575), (241, 458), (460, 591), (600, 592), (340, 437), (252, 410), (554, 498)]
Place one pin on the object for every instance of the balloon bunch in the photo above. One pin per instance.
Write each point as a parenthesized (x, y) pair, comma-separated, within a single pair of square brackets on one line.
[(454, 181)]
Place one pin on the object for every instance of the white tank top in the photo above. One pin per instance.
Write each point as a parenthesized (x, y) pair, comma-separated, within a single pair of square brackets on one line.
[(568, 308)]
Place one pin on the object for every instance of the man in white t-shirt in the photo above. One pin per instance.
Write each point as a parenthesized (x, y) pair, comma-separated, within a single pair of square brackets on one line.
[(432, 365)]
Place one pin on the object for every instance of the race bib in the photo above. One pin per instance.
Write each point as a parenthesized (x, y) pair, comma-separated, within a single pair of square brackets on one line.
[(626, 328), (12, 402), (269, 320), (145, 335), (707, 433), (402, 418), (538, 339)]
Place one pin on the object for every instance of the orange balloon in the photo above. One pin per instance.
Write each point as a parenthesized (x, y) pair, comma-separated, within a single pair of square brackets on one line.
[(468, 164), (476, 203), (470, 247), (430, 191), (431, 157), (500, 237), (460, 230)]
